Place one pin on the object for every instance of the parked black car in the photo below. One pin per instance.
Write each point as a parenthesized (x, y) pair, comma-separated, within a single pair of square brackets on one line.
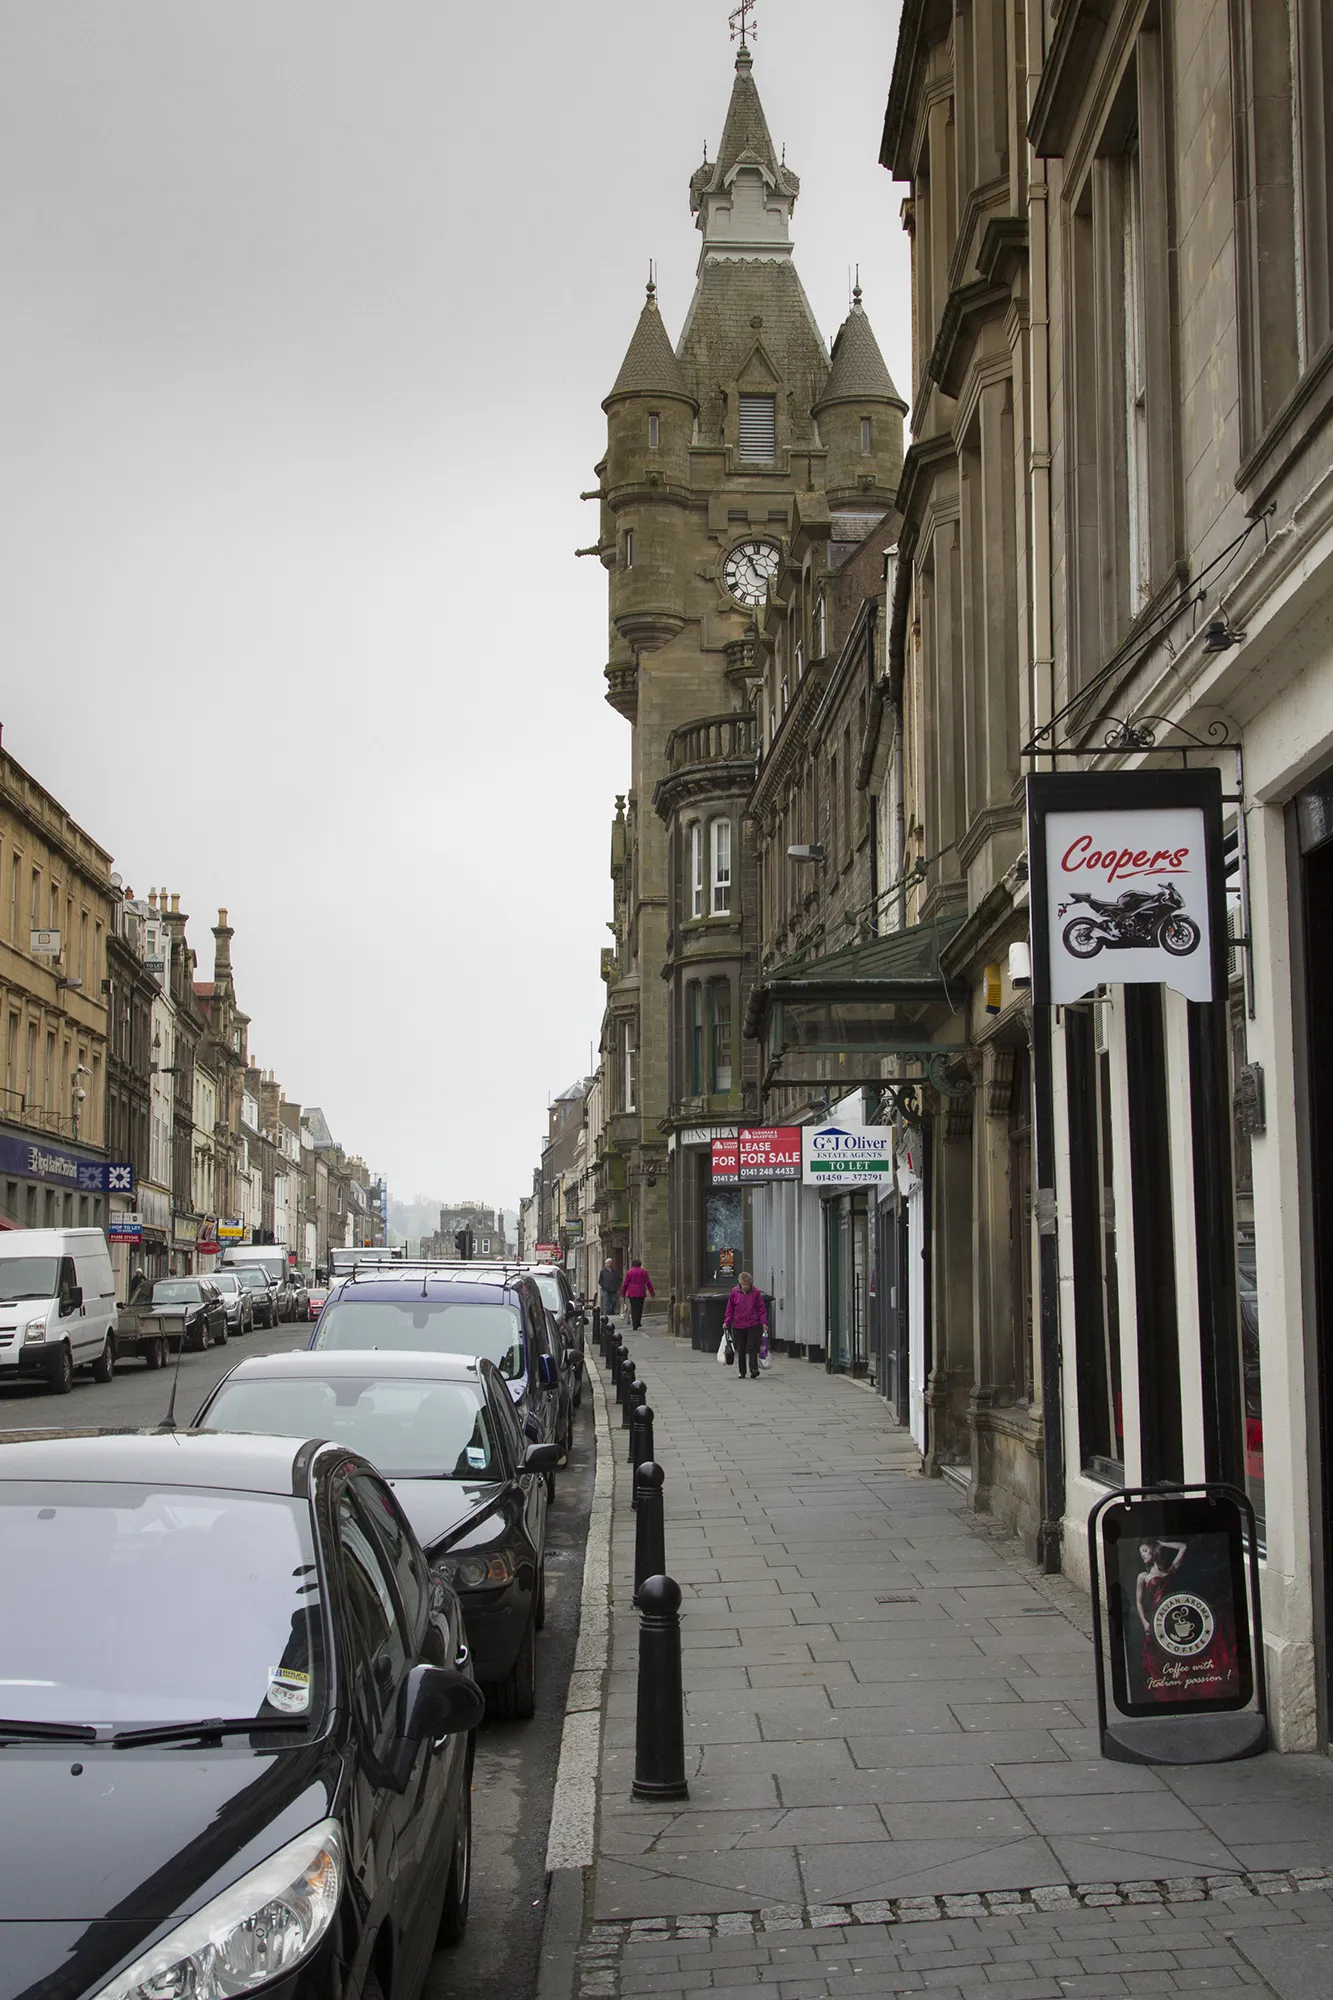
[(444, 1434), (275, 1775), (262, 1290), (468, 1310), (201, 1303)]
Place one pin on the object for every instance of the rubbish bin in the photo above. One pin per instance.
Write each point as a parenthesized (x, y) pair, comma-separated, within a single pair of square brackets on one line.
[(706, 1314)]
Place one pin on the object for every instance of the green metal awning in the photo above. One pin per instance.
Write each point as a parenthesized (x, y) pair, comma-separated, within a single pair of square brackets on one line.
[(880, 998)]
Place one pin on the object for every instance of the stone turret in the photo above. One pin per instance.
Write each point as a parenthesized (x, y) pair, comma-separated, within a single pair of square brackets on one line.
[(650, 417), (860, 416)]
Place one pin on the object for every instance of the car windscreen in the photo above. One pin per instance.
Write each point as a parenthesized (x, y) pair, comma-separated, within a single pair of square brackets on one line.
[(552, 1297), (87, 1573), (253, 1279), (410, 1430), (28, 1278), (427, 1326), (176, 1292), (226, 1281)]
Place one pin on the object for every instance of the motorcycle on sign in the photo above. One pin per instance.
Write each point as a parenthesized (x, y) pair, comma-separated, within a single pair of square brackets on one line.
[(1139, 918)]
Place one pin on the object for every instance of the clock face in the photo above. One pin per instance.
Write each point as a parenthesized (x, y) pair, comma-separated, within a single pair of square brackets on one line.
[(748, 569)]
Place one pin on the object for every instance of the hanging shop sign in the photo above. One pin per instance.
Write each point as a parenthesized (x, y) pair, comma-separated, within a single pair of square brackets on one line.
[(125, 1228), (1182, 1632), (1126, 882), (755, 1154), (837, 1157), (546, 1253), (231, 1232), (770, 1152)]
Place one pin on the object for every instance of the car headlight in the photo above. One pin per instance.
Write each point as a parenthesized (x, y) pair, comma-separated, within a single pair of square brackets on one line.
[(469, 1573), (265, 1924), (35, 1330)]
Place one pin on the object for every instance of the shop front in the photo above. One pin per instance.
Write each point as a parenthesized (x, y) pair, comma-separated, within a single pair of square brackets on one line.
[(44, 1185)]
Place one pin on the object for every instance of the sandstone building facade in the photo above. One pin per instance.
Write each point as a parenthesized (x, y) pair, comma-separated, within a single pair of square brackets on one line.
[(714, 447)]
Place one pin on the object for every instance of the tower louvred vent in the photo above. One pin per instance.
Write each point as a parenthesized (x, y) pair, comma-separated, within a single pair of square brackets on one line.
[(759, 441)]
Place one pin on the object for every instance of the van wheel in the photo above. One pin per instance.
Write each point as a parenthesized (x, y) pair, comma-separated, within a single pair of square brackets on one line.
[(105, 1365), (61, 1378)]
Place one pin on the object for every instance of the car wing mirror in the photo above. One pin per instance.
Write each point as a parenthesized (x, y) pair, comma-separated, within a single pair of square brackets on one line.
[(541, 1458), (435, 1702), (73, 1299)]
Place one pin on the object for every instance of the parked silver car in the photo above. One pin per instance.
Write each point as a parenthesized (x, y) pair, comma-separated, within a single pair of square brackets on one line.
[(238, 1300)]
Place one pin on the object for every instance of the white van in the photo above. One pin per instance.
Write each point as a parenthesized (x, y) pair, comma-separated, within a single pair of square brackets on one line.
[(57, 1305), (268, 1256)]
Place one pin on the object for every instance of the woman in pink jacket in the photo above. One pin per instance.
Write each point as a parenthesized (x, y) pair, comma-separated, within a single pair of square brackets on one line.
[(636, 1286), (747, 1317)]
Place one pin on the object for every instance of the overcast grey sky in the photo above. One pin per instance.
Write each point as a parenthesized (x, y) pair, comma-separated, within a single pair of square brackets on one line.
[(310, 306)]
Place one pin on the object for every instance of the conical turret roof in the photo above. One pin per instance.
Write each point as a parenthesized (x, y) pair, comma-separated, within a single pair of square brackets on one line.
[(650, 367), (858, 373), (745, 139)]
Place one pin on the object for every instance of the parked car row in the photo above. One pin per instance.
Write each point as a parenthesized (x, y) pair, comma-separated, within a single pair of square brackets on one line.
[(58, 1309), (371, 1511), (245, 1723)]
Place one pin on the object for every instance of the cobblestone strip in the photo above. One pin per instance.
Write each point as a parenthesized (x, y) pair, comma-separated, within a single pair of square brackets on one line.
[(605, 1939)]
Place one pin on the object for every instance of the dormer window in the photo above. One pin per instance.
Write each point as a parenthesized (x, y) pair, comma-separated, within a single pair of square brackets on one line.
[(759, 429), (654, 430)]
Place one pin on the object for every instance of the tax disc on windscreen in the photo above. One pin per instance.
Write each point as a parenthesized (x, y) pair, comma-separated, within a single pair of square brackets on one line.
[(288, 1690)]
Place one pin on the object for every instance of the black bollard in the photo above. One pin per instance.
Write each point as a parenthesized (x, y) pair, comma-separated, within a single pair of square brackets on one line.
[(640, 1442), (638, 1396), (659, 1737), (597, 1328), (617, 1349), (626, 1377), (631, 1397), (649, 1524)]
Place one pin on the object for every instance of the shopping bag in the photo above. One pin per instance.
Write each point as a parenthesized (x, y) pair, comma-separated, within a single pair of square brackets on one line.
[(764, 1360), (726, 1353)]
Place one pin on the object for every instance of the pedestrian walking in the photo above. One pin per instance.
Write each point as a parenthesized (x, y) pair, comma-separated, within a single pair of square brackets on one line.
[(747, 1318), (636, 1287), (608, 1283), (140, 1289)]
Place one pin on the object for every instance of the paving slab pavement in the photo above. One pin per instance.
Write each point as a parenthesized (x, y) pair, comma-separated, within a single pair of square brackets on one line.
[(894, 1778)]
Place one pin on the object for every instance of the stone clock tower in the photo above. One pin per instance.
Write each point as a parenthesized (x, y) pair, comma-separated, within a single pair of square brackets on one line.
[(713, 448)]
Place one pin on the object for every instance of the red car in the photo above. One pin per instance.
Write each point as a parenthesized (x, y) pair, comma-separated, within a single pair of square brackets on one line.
[(318, 1294)]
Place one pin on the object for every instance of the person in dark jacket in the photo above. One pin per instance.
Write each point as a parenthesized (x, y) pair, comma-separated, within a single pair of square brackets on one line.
[(140, 1289), (747, 1317), (608, 1284), (636, 1287)]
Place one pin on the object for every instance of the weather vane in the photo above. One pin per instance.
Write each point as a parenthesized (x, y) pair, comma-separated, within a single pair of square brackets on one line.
[(741, 24)]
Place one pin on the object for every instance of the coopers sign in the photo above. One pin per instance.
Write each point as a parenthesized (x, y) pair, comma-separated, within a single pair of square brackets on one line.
[(1126, 882)]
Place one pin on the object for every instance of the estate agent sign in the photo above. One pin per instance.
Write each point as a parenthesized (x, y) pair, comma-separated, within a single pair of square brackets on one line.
[(1126, 882), (836, 1156), (757, 1153)]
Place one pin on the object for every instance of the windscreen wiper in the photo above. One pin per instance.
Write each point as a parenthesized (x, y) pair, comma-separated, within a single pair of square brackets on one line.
[(50, 1732), (217, 1725)]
